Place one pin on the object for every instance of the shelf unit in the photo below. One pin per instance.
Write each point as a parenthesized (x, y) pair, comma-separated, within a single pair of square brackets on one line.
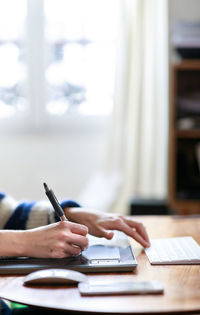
[(184, 138)]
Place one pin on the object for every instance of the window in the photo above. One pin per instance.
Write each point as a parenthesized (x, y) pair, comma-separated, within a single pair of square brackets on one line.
[(58, 58), (12, 73)]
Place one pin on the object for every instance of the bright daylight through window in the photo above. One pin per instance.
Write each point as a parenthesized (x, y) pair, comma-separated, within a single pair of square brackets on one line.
[(12, 74), (79, 52)]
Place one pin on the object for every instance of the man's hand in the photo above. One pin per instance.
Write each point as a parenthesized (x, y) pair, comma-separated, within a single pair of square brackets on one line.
[(100, 224)]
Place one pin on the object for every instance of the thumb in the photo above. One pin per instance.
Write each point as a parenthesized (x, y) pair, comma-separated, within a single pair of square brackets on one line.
[(108, 235), (100, 232)]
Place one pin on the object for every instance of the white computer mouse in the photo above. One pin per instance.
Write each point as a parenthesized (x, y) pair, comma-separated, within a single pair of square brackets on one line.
[(54, 276)]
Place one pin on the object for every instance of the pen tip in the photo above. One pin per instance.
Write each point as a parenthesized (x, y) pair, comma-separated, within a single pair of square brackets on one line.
[(45, 186)]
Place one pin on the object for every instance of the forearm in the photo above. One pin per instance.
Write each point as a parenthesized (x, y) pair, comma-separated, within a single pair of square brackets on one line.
[(12, 243)]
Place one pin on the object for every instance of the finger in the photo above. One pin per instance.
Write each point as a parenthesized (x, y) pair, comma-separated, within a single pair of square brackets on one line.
[(78, 240), (109, 235), (121, 225), (139, 228), (63, 250), (71, 250), (99, 231), (66, 236), (134, 234), (77, 228), (139, 238)]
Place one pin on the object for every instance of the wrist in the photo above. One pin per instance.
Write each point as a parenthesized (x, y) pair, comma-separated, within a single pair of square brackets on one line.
[(68, 206), (13, 243), (69, 211)]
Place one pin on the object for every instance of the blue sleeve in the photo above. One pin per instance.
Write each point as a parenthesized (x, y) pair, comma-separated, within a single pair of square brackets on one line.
[(66, 204), (2, 195), (19, 217)]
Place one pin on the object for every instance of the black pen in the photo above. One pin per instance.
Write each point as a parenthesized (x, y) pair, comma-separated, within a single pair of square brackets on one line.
[(54, 201)]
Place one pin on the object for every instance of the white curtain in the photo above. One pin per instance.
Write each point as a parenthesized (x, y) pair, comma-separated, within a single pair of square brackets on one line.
[(136, 157)]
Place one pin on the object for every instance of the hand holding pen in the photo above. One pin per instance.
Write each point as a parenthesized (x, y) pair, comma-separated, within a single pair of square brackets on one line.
[(78, 236)]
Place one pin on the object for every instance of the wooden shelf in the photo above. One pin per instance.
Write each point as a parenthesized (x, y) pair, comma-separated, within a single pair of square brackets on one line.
[(187, 64), (188, 133), (185, 206), (185, 80)]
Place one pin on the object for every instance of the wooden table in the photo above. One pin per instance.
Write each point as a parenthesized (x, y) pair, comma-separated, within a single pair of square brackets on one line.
[(181, 283)]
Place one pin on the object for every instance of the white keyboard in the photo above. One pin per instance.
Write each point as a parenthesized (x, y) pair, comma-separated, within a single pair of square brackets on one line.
[(173, 251)]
